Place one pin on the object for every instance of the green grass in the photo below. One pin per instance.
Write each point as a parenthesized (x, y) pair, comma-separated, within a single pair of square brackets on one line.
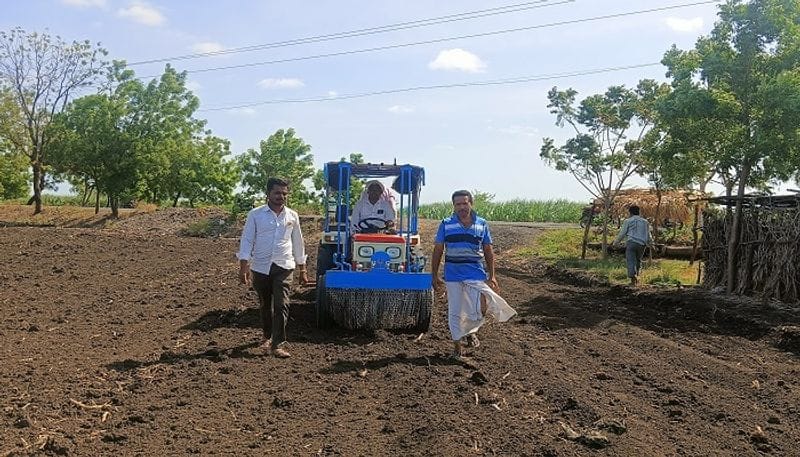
[(562, 247), (51, 200), (513, 210)]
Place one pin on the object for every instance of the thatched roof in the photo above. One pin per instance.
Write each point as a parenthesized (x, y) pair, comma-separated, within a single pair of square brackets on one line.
[(675, 204)]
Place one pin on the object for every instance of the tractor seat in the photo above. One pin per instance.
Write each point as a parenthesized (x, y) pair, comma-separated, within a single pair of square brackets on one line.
[(378, 238)]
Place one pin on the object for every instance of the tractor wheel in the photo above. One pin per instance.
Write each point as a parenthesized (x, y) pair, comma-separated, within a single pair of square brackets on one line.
[(325, 254), (321, 311), (424, 312)]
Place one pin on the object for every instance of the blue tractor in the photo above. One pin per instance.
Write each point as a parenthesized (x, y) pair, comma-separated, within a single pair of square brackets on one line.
[(369, 277)]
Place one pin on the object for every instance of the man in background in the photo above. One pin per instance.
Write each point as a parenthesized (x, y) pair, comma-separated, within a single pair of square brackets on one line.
[(637, 231)]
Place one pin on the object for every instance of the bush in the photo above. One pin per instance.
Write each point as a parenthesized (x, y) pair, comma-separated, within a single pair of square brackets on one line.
[(208, 227)]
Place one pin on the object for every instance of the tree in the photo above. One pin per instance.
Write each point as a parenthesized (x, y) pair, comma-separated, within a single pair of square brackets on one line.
[(14, 176), (93, 145), (42, 73), (202, 174), (744, 79), (284, 155), (164, 132), (601, 156), (356, 185)]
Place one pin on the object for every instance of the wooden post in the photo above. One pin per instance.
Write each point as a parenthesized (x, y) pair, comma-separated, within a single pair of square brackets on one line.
[(695, 237), (586, 233)]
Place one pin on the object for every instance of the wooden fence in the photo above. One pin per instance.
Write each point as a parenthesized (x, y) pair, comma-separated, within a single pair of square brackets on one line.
[(768, 253)]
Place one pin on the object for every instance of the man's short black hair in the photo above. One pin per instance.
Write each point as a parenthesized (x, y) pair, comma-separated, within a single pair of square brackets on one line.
[(461, 193), (634, 210), (272, 182)]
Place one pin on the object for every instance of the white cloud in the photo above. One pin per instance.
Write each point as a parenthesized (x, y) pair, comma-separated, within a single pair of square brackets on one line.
[(207, 47), (193, 86), (678, 24), (281, 83), (85, 3), (242, 111), (516, 130), (457, 59), (333, 94), (400, 109), (142, 13)]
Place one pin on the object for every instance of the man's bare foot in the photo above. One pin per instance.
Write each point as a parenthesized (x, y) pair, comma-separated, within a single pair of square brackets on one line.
[(281, 353)]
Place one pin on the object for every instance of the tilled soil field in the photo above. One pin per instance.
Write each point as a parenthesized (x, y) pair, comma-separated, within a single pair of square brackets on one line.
[(135, 342)]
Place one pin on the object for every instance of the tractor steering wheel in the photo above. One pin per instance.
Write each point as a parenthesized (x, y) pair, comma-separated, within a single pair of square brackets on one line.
[(366, 225)]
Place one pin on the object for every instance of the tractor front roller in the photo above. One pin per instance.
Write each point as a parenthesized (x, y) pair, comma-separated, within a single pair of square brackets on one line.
[(372, 309)]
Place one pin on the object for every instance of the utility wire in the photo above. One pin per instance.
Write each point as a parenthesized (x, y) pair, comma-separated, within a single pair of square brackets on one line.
[(440, 40), (368, 31), (496, 82)]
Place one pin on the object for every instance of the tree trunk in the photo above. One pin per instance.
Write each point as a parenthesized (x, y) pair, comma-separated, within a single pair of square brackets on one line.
[(695, 236), (114, 202), (175, 200), (86, 194), (38, 178), (657, 218), (97, 201), (728, 192), (735, 231)]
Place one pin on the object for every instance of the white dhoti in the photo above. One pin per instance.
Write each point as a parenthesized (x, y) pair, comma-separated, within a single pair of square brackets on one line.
[(464, 307)]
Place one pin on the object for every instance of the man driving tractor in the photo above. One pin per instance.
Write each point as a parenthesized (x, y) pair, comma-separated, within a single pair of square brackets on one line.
[(374, 212)]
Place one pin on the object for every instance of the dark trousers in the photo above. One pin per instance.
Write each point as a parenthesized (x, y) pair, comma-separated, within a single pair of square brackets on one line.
[(273, 295)]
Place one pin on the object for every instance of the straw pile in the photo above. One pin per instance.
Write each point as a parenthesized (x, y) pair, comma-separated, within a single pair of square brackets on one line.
[(768, 253), (675, 204)]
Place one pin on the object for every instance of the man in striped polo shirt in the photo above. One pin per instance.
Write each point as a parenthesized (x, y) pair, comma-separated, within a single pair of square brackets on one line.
[(465, 242)]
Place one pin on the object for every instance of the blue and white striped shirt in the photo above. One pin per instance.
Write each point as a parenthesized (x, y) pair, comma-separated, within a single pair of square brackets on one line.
[(463, 259)]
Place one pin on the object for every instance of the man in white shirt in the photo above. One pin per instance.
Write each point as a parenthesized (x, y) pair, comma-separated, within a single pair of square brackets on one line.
[(374, 206), (637, 230), (269, 251)]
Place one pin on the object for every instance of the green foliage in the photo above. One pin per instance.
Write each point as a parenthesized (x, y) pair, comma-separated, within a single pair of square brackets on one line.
[(94, 146), (201, 174), (356, 185), (280, 155), (603, 155), (14, 175), (516, 210), (736, 97), (140, 142), (50, 200), (41, 73), (208, 227), (242, 203)]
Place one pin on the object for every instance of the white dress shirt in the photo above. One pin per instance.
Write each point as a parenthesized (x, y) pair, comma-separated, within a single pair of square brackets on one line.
[(382, 209), (270, 238)]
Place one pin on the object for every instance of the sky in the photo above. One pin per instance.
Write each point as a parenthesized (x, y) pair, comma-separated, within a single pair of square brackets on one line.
[(477, 136)]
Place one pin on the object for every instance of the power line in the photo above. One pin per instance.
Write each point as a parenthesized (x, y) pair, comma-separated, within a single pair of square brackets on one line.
[(367, 31), (441, 40), (496, 82)]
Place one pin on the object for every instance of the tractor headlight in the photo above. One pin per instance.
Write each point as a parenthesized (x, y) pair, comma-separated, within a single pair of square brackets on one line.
[(366, 251), (393, 251)]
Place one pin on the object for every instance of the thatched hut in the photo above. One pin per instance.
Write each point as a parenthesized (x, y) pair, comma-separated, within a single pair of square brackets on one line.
[(676, 206)]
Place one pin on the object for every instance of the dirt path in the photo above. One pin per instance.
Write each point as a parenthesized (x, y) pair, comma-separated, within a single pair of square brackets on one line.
[(130, 343)]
